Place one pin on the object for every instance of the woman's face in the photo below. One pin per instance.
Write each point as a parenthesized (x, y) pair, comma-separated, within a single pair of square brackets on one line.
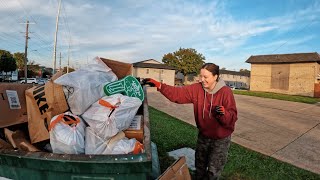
[(207, 79)]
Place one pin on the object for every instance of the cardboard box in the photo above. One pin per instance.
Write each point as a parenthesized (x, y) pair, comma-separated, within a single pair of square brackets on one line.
[(17, 112), (121, 69), (136, 129), (177, 171), (43, 103)]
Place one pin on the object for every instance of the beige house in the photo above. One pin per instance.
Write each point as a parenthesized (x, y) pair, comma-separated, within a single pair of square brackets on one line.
[(295, 74), (154, 69), (239, 80)]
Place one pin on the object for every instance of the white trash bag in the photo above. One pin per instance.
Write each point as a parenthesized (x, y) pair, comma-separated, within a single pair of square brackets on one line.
[(67, 134), (118, 144), (126, 146), (111, 114), (94, 144), (85, 85)]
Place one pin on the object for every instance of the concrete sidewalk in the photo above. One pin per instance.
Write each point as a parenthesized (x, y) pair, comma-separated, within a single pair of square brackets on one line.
[(287, 131)]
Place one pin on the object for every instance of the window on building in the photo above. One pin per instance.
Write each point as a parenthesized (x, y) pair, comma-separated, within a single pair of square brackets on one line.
[(147, 71)]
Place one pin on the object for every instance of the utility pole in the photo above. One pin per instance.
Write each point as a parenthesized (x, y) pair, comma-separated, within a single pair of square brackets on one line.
[(55, 40), (68, 56), (60, 63), (26, 54)]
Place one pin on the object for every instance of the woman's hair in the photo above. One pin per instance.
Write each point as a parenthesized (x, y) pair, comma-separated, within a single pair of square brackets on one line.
[(213, 68)]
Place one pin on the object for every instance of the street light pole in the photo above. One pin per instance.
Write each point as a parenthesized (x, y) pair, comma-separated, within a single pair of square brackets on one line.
[(55, 40), (26, 54)]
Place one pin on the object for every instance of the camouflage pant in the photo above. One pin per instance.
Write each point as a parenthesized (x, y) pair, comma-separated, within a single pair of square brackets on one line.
[(211, 156)]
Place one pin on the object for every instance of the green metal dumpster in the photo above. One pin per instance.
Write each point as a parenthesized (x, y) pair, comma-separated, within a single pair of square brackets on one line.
[(42, 165)]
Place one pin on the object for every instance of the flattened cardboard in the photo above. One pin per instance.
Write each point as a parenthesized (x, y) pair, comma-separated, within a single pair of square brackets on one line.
[(121, 69), (5, 145), (19, 140), (177, 171), (9, 117)]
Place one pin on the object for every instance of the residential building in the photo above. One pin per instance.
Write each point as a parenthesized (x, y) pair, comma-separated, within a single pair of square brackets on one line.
[(295, 74), (9, 76), (236, 79), (154, 69)]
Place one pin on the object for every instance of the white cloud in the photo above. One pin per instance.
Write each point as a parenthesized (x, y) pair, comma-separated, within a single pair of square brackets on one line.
[(135, 30)]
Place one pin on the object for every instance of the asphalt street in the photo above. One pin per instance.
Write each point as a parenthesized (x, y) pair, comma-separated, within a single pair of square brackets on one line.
[(288, 131)]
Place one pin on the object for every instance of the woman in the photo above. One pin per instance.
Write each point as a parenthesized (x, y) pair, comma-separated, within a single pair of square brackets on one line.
[(215, 114)]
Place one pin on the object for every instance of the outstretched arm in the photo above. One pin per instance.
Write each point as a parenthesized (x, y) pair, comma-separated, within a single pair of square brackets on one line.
[(180, 95)]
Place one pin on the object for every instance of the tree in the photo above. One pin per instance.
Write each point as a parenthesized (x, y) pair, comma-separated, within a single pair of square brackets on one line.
[(47, 72), (187, 61), (33, 69), (19, 57), (7, 62), (244, 70)]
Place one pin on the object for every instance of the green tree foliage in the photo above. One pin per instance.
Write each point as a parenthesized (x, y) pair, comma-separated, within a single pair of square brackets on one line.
[(7, 62), (19, 57), (33, 69), (47, 73), (187, 61), (244, 70)]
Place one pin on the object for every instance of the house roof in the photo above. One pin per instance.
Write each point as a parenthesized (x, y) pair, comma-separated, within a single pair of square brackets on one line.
[(142, 64), (284, 58), (148, 60), (238, 73)]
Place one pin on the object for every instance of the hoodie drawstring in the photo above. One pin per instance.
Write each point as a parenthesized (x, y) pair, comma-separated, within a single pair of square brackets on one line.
[(210, 106), (204, 103)]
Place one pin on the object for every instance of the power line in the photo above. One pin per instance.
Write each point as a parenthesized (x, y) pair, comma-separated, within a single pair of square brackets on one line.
[(292, 35), (27, 13)]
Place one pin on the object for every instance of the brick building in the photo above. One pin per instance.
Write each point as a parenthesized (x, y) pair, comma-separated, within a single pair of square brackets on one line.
[(154, 69), (294, 74), (239, 80)]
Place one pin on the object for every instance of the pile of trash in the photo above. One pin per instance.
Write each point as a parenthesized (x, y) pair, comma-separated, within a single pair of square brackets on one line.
[(88, 111)]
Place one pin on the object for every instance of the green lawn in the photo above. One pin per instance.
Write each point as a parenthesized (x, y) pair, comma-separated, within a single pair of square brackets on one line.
[(170, 134), (285, 97)]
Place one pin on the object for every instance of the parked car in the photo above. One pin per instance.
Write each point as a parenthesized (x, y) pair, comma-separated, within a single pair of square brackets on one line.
[(29, 81), (232, 87), (42, 80)]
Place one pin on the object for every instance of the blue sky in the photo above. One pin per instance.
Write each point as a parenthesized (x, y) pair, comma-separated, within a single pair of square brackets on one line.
[(226, 32)]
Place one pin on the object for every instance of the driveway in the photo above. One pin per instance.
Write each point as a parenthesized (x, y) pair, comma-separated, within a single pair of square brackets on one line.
[(287, 131)]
